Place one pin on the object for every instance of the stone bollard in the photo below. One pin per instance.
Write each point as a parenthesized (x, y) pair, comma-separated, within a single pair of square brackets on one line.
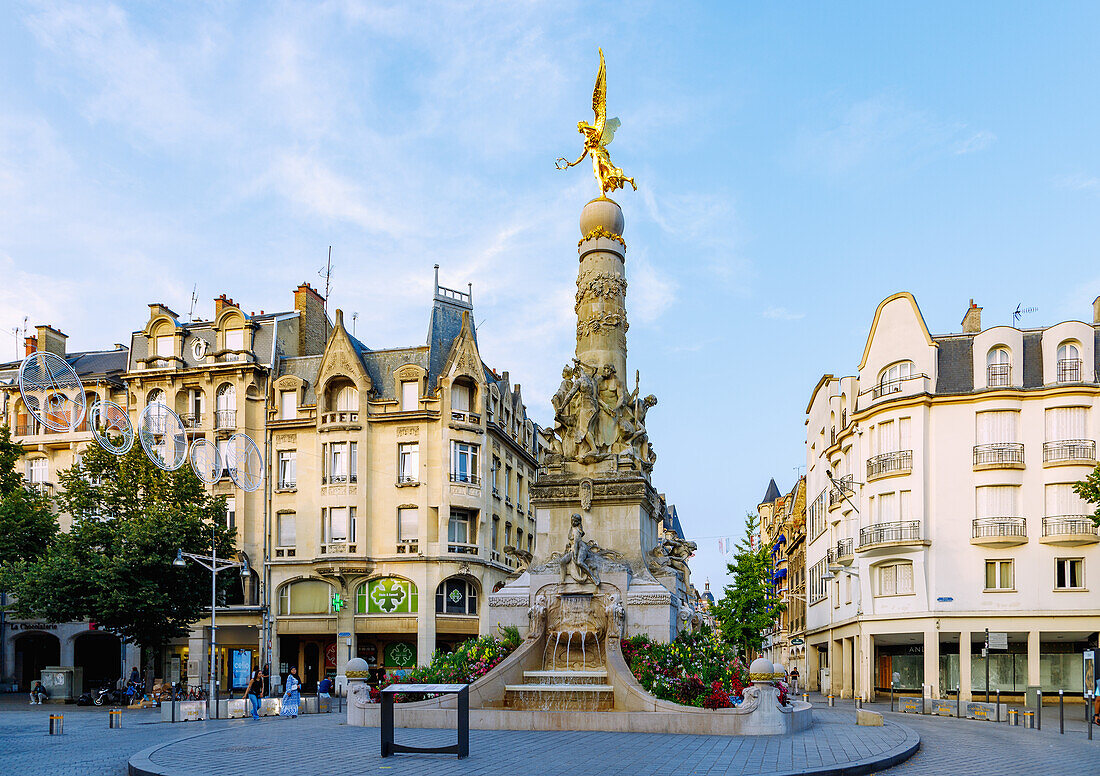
[(57, 724), (357, 671), (114, 719)]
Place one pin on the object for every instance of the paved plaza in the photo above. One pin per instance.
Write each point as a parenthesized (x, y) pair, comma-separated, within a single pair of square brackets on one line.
[(321, 744)]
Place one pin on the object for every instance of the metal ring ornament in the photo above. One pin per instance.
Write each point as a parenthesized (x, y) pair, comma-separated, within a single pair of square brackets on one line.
[(206, 461), (51, 391), (162, 436), (106, 420), (245, 464)]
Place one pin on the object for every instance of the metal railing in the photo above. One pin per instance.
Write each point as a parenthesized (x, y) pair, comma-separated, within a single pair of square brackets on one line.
[(462, 548), (1069, 450), (25, 430), (998, 453), (998, 375), (225, 418), (880, 533), (844, 548), (886, 388), (994, 527), (1069, 525), (191, 420), (898, 461), (1069, 370), (42, 488), (465, 477), (288, 484), (466, 417), (340, 416)]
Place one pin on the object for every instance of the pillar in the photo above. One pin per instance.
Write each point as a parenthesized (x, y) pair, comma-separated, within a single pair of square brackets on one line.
[(932, 662), (965, 680), (425, 628), (812, 670), (867, 667), (1034, 677), (836, 670), (846, 668)]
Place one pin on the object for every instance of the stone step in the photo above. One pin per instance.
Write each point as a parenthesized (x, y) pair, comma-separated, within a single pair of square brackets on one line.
[(558, 688)]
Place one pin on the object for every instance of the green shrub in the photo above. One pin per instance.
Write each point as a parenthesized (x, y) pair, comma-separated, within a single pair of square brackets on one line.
[(687, 670)]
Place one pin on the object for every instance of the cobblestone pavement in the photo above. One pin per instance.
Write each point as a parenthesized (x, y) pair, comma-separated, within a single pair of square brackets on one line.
[(320, 744)]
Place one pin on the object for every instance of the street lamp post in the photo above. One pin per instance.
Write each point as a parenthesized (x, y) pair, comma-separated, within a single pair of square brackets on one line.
[(212, 563)]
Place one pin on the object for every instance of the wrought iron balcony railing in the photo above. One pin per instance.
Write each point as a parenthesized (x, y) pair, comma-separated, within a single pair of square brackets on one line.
[(1069, 450), (1069, 370), (1069, 525), (887, 463), (882, 533), (998, 375), (999, 454), (998, 527)]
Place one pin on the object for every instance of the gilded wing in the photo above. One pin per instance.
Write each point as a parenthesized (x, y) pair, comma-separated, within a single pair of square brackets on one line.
[(599, 97)]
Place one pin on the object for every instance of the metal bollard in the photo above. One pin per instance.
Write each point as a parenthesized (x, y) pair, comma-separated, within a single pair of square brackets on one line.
[(1039, 710), (1062, 712), (1088, 713), (1013, 717), (1029, 720), (806, 697), (832, 701), (57, 724), (859, 703), (114, 719), (958, 699), (998, 705)]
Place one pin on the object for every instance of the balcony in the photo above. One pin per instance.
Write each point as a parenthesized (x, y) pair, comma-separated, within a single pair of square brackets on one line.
[(462, 548), (999, 455), (998, 375), (1069, 452), (889, 464), (904, 533), (406, 480), (287, 485), (338, 548), (408, 546), (225, 420), (999, 531), (42, 488), (193, 420), (466, 417), (465, 478), (1069, 370), (844, 553), (1069, 530), (340, 419)]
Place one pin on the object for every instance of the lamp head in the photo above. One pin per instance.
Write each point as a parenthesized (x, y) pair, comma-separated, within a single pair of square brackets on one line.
[(828, 576), (179, 562)]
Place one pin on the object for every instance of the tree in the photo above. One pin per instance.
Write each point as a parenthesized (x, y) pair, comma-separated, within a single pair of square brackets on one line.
[(1089, 490), (114, 566), (748, 606), (27, 525)]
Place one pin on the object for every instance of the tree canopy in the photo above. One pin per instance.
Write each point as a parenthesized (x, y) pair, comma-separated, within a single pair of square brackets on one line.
[(114, 566), (1089, 490), (27, 524), (748, 606)]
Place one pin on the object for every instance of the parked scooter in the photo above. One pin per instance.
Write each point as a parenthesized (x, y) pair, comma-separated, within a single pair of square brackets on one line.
[(107, 696)]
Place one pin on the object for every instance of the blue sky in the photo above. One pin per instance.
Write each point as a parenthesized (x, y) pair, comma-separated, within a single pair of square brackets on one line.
[(797, 163)]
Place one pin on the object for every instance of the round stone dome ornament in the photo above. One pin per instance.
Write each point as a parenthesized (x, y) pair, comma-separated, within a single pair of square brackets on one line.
[(761, 670), (357, 668)]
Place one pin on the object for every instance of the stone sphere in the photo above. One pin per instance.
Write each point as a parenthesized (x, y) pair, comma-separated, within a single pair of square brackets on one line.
[(761, 666), (778, 668), (603, 213), (357, 668)]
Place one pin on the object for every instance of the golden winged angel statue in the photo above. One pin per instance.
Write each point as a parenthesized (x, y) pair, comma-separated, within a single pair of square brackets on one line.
[(597, 137)]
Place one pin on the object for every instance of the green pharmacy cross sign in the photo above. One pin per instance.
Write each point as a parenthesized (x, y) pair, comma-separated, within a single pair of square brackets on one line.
[(390, 595), (337, 602)]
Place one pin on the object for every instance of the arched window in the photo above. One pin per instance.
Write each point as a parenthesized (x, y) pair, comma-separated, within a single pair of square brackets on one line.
[(892, 377), (463, 393), (225, 413), (998, 370), (386, 595), (156, 396), (308, 596), (456, 596), (342, 396), (1069, 363)]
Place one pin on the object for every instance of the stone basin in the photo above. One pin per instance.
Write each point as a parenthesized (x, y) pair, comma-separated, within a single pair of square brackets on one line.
[(565, 677)]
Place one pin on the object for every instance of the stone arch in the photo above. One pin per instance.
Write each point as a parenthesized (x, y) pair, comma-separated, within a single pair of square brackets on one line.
[(313, 597), (34, 650), (386, 594), (458, 594), (99, 653)]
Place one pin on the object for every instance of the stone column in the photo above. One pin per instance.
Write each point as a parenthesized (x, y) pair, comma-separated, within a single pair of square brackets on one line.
[(932, 661), (810, 679), (965, 679), (867, 667), (601, 287), (1034, 677), (836, 669), (846, 668), (425, 624)]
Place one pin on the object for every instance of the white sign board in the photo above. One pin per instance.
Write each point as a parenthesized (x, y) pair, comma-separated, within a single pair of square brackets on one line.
[(998, 641)]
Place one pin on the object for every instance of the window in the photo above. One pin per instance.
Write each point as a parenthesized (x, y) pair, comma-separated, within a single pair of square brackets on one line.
[(347, 398), (519, 491), (494, 475), (1062, 501), (223, 457), (817, 584), (456, 596), (508, 535), (464, 462), (998, 575), (37, 470), (196, 404), (462, 397), (231, 512), (891, 379), (997, 370), (1069, 573), (342, 461), (288, 405), (817, 516), (496, 533), (225, 403), (408, 524), (508, 484), (285, 531), (1069, 363), (461, 533), (530, 543), (996, 427), (234, 340), (1066, 423), (408, 462), (156, 396), (164, 345), (410, 395), (895, 578), (288, 468), (997, 501), (309, 596), (339, 524)]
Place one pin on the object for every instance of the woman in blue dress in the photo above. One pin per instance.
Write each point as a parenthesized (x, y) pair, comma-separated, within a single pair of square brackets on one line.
[(292, 696)]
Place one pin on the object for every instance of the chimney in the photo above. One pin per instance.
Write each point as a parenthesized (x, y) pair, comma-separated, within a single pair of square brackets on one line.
[(221, 302), (1096, 310), (51, 340), (312, 321), (31, 344), (972, 321)]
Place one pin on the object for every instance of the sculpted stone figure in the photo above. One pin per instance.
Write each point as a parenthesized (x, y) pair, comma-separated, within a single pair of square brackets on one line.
[(611, 407), (577, 560), (536, 616), (616, 616)]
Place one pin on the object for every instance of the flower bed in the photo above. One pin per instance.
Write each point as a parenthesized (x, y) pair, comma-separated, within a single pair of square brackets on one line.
[(470, 661), (696, 669)]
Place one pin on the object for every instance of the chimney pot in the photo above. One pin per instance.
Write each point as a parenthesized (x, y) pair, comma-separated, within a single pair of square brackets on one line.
[(972, 321)]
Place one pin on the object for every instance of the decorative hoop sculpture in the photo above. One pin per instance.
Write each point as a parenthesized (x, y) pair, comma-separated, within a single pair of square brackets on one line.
[(51, 391), (206, 461), (162, 436), (246, 465), (108, 420)]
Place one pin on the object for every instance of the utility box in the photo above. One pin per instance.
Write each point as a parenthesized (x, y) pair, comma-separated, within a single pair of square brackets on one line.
[(63, 684), (1032, 696)]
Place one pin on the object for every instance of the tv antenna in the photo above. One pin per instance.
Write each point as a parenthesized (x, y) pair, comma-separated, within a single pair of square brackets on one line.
[(354, 318), (326, 273), (194, 299), (1021, 310)]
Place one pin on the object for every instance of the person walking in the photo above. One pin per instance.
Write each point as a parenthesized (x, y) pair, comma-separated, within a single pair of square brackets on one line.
[(38, 693), (254, 691), (292, 696), (794, 679)]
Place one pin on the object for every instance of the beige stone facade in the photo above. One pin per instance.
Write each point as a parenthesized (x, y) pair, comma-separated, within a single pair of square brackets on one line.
[(782, 532)]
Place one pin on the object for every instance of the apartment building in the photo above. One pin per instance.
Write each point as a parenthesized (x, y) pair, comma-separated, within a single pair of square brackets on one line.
[(940, 487)]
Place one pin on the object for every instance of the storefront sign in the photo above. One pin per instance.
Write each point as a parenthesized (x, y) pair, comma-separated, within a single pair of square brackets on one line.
[(241, 662), (32, 626), (998, 641), (400, 655), (390, 595)]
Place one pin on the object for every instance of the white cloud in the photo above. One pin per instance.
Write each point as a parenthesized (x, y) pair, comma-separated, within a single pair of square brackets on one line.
[(978, 141), (1077, 182), (782, 314)]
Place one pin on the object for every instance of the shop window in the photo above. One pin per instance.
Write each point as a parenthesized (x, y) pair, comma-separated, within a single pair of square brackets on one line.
[(386, 595), (456, 596), (309, 596)]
